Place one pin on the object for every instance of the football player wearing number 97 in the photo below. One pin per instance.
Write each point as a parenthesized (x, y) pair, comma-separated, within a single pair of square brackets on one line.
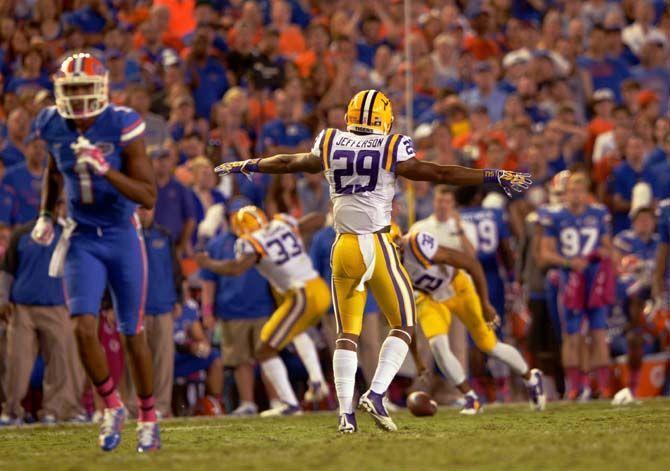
[(578, 243), (96, 150), (277, 248), (361, 165)]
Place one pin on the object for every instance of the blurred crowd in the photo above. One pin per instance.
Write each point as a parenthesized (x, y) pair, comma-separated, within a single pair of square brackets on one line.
[(539, 85)]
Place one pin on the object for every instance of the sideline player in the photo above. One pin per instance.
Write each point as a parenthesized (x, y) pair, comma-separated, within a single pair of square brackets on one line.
[(277, 248), (577, 240), (361, 165), (439, 275), (97, 152)]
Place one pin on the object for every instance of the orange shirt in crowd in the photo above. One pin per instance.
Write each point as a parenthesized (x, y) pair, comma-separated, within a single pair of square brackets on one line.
[(261, 114), (596, 127), (481, 48), (134, 16), (306, 61), (291, 41), (182, 16)]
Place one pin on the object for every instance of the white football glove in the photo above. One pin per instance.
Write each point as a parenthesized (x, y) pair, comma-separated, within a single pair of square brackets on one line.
[(89, 154), (245, 167), (43, 232)]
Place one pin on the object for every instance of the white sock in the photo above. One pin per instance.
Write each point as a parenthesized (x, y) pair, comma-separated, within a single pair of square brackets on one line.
[(391, 356), (511, 357), (275, 371), (306, 349), (345, 363), (445, 359)]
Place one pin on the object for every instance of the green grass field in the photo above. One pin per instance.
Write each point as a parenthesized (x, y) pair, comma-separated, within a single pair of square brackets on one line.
[(566, 436)]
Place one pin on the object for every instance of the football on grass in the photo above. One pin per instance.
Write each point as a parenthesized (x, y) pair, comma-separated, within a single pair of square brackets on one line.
[(421, 404)]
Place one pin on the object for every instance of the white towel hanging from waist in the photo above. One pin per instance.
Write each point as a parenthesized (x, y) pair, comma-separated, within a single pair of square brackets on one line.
[(366, 243)]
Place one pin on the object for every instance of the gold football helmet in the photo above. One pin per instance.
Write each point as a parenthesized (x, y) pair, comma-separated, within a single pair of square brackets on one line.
[(248, 219), (369, 111)]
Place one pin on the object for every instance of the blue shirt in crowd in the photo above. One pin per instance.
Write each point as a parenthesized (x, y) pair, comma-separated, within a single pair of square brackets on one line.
[(11, 155), (165, 277), (608, 73), (7, 205), (27, 188), (174, 206), (28, 262), (212, 83), (279, 133), (246, 296)]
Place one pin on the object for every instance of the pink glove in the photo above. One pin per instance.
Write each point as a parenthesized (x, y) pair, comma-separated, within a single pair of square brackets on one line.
[(89, 154)]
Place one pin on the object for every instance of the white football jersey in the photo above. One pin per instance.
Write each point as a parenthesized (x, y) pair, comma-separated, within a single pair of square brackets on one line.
[(447, 232), (282, 256), (435, 280), (360, 170)]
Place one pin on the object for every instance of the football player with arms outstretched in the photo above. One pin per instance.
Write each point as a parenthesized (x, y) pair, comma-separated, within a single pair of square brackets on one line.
[(97, 152), (276, 247), (361, 165)]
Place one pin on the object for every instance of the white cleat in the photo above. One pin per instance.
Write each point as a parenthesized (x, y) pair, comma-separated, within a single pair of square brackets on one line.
[(536, 394), (283, 410), (624, 398), (373, 404), (584, 396), (472, 405)]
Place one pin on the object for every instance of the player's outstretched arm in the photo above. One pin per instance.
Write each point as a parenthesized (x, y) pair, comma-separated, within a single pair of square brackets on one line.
[(415, 169), (136, 179), (233, 267), (280, 163)]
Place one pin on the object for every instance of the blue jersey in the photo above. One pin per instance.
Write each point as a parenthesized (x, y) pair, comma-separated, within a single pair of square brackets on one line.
[(8, 205), (27, 188), (492, 228), (92, 200), (628, 243), (577, 235), (181, 326)]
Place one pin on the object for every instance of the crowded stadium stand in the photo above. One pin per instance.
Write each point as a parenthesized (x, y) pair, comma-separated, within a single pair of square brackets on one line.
[(576, 93)]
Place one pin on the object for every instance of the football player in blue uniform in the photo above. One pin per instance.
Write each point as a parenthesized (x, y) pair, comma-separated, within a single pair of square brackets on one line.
[(577, 240), (97, 153), (495, 254), (635, 252)]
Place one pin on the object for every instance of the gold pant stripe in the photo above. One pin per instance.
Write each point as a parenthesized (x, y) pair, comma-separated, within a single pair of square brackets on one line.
[(336, 308), (297, 309), (400, 283)]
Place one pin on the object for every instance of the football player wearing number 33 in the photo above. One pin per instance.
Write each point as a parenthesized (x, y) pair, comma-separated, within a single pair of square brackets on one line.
[(97, 152), (277, 248), (361, 165)]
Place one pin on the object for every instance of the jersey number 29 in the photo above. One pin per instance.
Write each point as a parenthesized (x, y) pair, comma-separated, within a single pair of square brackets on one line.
[(364, 163)]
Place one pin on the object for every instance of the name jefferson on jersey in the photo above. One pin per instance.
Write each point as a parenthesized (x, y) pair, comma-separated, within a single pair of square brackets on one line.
[(426, 276), (282, 259), (360, 170)]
